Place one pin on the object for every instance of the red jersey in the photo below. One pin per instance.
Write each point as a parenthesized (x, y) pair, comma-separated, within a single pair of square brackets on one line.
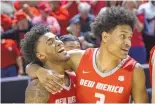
[(92, 86), (9, 53), (150, 64), (66, 95)]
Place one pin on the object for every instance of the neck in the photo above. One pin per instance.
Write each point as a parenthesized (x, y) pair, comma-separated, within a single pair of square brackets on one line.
[(57, 67), (105, 60)]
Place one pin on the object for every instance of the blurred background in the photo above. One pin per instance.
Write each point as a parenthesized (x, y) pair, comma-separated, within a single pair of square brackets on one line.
[(69, 20)]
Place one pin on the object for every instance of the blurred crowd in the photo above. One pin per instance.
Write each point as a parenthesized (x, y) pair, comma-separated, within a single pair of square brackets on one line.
[(71, 21)]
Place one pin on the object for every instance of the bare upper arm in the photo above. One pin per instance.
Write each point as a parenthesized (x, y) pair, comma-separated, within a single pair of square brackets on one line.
[(153, 76), (75, 58), (36, 93), (72, 63), (153, 59), (139, 92)]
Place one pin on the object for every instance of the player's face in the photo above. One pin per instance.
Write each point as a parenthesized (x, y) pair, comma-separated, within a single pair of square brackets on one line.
[(119, 41), (70, 45), (51, 48)]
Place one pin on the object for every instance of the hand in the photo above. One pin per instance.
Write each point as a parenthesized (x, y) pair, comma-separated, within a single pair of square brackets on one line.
[(48, 79), (20, 71)]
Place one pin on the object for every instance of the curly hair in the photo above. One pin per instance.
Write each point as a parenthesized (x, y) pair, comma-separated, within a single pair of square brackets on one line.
[(28, 44), (110, 18)]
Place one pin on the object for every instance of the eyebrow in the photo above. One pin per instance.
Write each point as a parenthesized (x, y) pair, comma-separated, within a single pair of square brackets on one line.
[(49, 40), (125, 32)]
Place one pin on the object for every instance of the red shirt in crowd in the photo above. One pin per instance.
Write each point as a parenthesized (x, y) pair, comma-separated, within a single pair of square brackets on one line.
[(10, 52), (97, 7), (62, 16), (73, 9), (137, 39), (33, 10)]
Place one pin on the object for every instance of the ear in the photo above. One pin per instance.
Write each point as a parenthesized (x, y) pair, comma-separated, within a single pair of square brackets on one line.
[(41, 56), (105, 36)]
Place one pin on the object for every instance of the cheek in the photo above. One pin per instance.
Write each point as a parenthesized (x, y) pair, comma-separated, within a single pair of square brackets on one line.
[(115, 44), (50, 49)]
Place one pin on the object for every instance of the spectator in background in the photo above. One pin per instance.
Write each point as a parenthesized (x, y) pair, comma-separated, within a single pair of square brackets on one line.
[(109, 4), (137, 39), (29, 7), (96, 6), (10, 57), (70, 42), (44, 18), (6, 22), (7, 8), (149, 32), (71, 6), (20, 26), (85, 17), (74, 29), (61, 14)]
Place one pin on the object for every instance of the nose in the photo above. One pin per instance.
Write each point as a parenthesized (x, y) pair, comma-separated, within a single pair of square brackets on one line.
[(128, 43)]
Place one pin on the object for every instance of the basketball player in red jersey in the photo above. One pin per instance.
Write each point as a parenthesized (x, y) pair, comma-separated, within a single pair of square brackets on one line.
[(152, 72), (40, 44), (106, 74)]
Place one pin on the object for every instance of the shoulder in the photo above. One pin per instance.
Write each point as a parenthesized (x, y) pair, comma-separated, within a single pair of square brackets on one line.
[(138, 72), (76, 52)]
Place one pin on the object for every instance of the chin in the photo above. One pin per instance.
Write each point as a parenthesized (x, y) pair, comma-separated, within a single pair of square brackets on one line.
[(66, 58), (123, 56)]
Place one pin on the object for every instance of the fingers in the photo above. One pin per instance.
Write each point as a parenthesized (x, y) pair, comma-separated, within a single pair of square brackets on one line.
[(50, 85), (50, 90), (53, 87), (56, 77)]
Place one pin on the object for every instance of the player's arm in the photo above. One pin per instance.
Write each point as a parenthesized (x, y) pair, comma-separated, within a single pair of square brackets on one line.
[(36, 93), (153, 77), (34, 70), (139, 92), (75, 58), (47, 78)]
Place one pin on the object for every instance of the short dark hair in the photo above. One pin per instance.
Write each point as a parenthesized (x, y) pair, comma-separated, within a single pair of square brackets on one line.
[(28, 44), (66, 38), (110, 18)]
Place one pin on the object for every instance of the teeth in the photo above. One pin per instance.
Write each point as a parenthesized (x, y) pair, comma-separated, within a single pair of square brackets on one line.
[(60, 50)]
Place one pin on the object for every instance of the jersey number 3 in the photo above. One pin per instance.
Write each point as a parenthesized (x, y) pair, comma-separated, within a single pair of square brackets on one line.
[(102, 98)]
